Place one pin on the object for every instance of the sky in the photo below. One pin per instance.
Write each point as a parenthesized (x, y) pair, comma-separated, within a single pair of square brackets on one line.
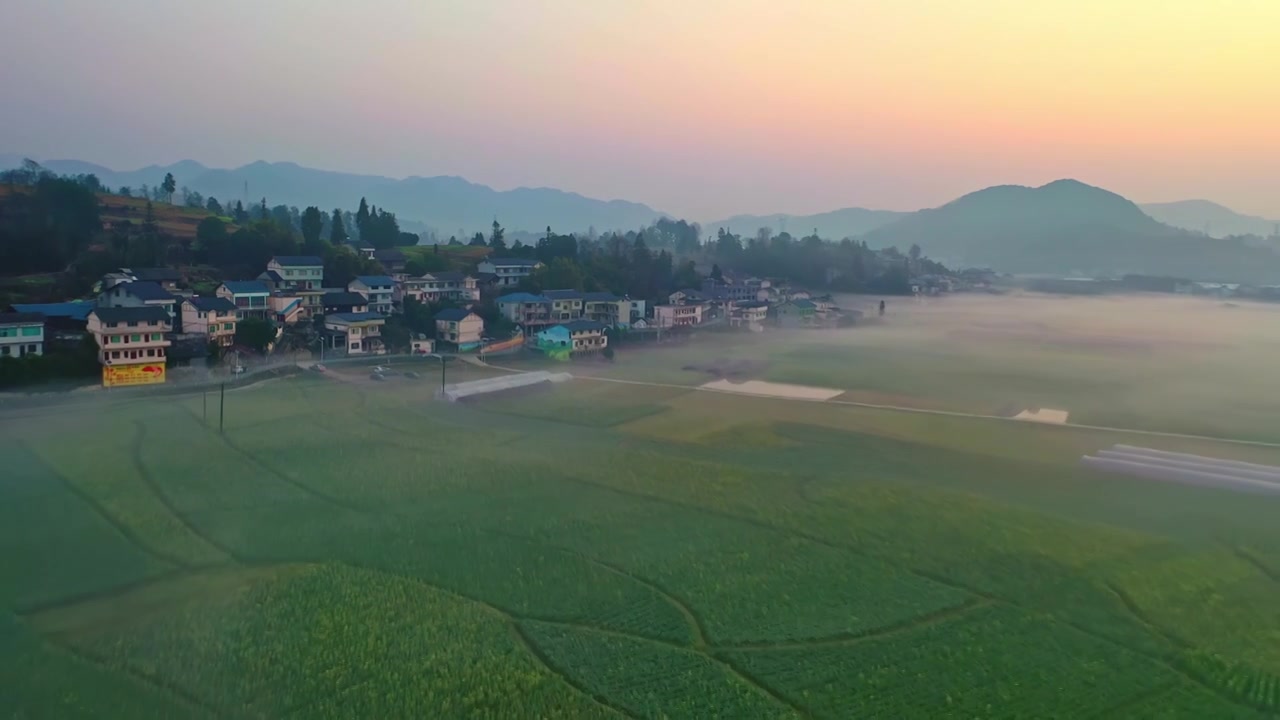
[(700, 108)]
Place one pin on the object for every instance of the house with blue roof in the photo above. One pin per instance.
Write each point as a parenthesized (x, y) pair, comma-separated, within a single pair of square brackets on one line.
[(139, 293), (459, 328), (65, 323), (249, 296), (527, 310), (508, 271), (356, 333), (379, 290), (212, 317), (296, 272), (565, 340)]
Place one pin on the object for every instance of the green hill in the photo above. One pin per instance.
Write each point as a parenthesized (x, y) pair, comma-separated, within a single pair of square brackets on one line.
[(1070, 227)]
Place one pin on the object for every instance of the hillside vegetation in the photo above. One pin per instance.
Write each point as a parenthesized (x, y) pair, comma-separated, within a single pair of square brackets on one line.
[(1069, 227)]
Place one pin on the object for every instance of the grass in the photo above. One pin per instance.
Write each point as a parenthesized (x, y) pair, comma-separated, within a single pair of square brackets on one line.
[(349, 548)]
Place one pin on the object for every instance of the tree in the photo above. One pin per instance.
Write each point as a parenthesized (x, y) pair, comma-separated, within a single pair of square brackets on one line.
[(240, 215), (125, 191), (169, 186), (716, 273), (362, 219), (213, 206), (477, 240), (192, 199), (337, 230), (312, 222), (255, 333), (211, 235), (496, 240), (560, 274)]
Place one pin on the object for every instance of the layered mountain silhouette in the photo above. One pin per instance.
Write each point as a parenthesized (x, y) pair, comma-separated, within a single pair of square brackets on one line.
[(1065, 227), (449, 205), (837, 224), (1068, 227), (1210, 218)]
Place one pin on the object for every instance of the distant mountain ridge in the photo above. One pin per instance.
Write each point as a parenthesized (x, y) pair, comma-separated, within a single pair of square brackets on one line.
[(1209, 218), (449, 205), (837, 224), (1069, 227)]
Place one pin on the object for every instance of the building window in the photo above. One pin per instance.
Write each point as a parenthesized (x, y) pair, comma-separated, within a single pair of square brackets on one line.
[(133, 323), (151, 353), (32, 331), (355, 346), (135, 338), (156, 337)]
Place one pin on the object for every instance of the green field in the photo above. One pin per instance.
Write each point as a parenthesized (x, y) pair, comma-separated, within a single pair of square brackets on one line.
[(351, 548)]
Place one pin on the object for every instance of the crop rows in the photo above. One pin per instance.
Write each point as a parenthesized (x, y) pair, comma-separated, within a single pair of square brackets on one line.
[(56, 545), (1248, 685), (651, 680), (995, 662), (330, 641)]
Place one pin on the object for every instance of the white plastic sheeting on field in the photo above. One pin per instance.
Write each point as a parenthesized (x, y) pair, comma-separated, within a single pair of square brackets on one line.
[(1187, 469), (457, 391)]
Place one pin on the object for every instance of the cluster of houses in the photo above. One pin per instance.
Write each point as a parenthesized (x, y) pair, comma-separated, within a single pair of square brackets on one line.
[(141, 320)]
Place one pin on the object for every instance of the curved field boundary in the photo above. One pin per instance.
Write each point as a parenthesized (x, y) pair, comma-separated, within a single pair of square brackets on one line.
[(135, 453), (919, 621), (691, 618)]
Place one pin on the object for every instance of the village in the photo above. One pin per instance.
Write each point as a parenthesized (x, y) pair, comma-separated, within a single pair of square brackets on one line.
[(145, 321)]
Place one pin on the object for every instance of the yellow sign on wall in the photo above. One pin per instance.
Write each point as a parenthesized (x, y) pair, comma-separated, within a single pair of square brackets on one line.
[(142, 374)]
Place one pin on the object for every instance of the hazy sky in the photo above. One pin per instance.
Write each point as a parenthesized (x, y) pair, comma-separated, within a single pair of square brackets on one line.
[(698, 107)]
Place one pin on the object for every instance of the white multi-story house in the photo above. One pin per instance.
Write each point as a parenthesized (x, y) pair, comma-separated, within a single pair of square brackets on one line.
[(130, 336), (356, 333), (295, 272), (213, 317), (378, 289), (249, 296), (669, 316), (438, 286), (21, 334), (509, 271)]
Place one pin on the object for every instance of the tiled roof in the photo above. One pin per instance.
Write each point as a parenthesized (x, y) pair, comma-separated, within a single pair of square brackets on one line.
[(562, 294), (580, 325), (131, 314), (375, 280), (452, 314), (521, 297), (272, 275), (600, 297), (74, 310), (16, 318), (511, 262), (344, 298), (144, 291), (246, 287), (354, 317), (297, 260), (212, 304), (447, 276)]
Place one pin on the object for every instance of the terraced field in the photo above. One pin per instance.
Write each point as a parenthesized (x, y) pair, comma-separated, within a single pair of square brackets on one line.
[(350, 549)]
